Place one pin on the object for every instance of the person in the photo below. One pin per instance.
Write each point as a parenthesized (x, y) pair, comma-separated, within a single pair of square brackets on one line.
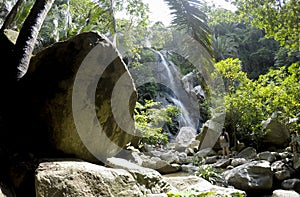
[(224, 143), (293, 143), (199, 126)]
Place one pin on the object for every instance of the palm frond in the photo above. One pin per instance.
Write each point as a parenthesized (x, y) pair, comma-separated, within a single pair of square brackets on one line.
[(188, 16)]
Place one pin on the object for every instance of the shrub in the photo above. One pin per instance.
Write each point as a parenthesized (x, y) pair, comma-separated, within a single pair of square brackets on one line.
[(150, 118)]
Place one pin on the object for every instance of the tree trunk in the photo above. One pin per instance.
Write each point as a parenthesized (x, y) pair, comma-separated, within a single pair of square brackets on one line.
[(28, 35), (112, 13), (11, 16)]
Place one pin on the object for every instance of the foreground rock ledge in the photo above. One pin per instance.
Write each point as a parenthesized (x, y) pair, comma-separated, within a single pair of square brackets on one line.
[(79, 178), (75, 178)]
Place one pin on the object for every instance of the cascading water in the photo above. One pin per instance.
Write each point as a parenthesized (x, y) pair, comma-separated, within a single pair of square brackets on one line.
[(170, 89), (185, 120), (169, 76)]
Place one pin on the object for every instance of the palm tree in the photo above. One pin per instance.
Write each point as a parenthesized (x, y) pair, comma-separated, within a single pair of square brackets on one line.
[(190, 18), (224, 47), (25, 42)]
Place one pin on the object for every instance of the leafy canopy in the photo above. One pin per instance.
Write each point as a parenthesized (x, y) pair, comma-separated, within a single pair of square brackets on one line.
[(68, 18), (279, 19)]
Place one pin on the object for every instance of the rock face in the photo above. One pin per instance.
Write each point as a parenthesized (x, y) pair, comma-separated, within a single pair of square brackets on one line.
[(83, 96)]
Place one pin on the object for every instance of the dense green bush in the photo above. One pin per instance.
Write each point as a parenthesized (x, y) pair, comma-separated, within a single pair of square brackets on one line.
[(150, 118), (249, 102)]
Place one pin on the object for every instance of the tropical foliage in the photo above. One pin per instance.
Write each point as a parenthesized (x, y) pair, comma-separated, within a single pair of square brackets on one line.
[(160, 36), (68, 18), (279, 19), (249, 102), (241, 40), (150, 119), (189, 18), (210, 174)]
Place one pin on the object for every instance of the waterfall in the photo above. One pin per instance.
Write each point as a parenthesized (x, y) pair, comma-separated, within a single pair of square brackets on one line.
[(170, 89), (169, 75), (186, 120)]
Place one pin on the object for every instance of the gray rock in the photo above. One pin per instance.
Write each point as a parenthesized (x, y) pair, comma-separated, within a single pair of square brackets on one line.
[(256, 175), (282, 175), (84, 97), (277, 166), (189, 169), (291, 184), (205, 152), (184, 159), (189, 151), (278, 134), (186, 136), (222, 163), (157, 195), (248, 153), (78, 178), (296, 161), (210, 133), (268, 156), (240, 146), (168, 168), (285, 193), (136, 158), (211, 160), (285, 155), (152, 162), (238, 161), (150, 178), (199, 185), (169, 156)]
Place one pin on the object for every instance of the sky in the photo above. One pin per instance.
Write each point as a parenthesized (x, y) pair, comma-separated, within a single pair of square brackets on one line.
[(159, 10)]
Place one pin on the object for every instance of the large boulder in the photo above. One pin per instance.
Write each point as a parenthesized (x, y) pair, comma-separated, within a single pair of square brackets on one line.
[(151, 179), (248, 153), (210, 132), (79, 178), (277, 135), (83, 96), (253, 176), (185, 136)]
